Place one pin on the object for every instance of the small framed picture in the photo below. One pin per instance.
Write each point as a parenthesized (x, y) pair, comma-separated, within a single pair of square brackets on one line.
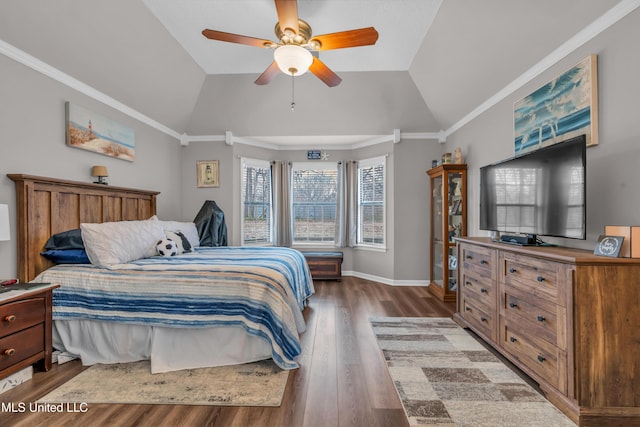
[(208, 174), (609, 246)]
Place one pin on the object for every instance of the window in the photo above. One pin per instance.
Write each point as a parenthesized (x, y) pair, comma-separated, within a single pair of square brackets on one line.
[(371, 202), (314, 202), (256, 201)]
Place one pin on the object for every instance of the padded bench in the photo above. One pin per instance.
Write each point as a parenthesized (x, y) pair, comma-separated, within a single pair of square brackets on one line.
[(325, 265)]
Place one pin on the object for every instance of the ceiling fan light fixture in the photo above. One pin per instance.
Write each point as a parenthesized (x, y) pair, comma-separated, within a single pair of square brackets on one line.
[(293, 60)]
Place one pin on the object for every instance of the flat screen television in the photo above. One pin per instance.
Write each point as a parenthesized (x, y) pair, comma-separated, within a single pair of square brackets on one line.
[(539, 193)]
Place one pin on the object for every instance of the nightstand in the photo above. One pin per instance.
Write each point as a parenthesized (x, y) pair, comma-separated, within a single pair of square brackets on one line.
[(25, 328)]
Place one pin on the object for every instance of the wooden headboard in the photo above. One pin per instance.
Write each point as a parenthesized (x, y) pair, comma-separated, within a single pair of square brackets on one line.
[(46, 206)]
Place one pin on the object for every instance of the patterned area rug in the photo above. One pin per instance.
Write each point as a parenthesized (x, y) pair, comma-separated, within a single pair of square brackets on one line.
[(445, 377), (253, 384)]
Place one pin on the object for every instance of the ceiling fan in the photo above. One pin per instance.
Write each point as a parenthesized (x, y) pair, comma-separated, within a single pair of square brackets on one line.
[(292, 52)]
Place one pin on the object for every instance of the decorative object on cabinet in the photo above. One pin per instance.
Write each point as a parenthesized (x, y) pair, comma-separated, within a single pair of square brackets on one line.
[(631, 243), (562, 316), (101, 173), (563, 108), (457, 156), (446, 158), (93, 132), (608, 245), (208, 173), (448, 221)]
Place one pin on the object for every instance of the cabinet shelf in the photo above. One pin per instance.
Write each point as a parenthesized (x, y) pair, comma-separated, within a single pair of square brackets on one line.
[(448, 220)]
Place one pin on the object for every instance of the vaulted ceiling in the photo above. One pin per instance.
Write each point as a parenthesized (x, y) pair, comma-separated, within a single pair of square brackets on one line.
[(434, 63)]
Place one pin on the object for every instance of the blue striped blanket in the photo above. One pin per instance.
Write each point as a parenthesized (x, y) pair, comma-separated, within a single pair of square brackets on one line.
[(262, 289)]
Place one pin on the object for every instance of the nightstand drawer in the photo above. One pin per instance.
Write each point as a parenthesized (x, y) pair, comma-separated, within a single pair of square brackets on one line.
[(20, 315), (21, 345)]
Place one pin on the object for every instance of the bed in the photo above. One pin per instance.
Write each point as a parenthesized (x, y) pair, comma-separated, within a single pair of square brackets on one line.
[(207, 307)]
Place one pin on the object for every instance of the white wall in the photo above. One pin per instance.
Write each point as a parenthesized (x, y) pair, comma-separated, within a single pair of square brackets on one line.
[(32, 141)]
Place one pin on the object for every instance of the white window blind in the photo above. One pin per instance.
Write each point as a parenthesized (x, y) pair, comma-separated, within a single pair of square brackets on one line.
[(313, 194), (256, 201), (371, 202)]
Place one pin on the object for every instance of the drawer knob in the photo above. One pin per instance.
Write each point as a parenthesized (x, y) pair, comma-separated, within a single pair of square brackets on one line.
[(540, 318), (483, 290), (512, 270), (10, 318), (482, 261), (512, 339), (467, 283), (541, 359), (540, 279), (467, 308), (513, 305), (9, 352), (468, 257), (483, 319)]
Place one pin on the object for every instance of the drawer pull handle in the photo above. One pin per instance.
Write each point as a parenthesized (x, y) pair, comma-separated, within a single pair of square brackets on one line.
[(483, 290), (540, 279), (512, 339), (10, 318), (541, 359), (541, 318), (512, 270), (513, 305), (467, 283), (467, 308), (483, 319), (482, 261), (468, 257), (9, 352)]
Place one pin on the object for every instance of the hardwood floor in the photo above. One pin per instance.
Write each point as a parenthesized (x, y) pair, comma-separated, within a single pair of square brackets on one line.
[(342, 381)]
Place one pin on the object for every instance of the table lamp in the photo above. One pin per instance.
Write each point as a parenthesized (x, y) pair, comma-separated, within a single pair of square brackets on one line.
[(101, 173)]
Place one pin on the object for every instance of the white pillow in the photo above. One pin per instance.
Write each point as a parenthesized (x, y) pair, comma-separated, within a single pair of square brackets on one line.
[(120, 242), (187, 228)]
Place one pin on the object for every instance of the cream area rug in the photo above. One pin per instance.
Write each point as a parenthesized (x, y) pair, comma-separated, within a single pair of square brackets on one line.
[(252, 384), (445, 377)]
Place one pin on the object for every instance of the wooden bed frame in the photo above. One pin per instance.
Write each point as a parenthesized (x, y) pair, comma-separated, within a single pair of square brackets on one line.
[(46, 206)]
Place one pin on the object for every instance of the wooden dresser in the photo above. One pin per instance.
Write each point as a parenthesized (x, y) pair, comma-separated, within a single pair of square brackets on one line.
[(567, 318), (25, 329)]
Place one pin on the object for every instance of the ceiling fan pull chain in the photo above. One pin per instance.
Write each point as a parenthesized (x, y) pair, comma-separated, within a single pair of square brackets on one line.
[(293, 104)]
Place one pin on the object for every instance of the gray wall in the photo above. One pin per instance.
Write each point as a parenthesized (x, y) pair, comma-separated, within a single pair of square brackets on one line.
[(32, 141), (613, 166)]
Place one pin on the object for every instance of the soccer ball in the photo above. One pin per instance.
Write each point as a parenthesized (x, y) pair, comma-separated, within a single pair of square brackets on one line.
[(166, 247)]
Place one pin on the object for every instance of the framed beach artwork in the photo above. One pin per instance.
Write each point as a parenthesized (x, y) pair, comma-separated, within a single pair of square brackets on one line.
[(93, 132), (565, 107), (208, 173)]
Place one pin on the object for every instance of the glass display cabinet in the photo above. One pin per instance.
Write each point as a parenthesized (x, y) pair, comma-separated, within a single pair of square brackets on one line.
[(448, 221)]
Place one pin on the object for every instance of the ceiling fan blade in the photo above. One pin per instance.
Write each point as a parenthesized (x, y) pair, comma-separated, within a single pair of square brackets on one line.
[(323, 72), (268, 74), (235, 38), (352, 38), (287, 14)]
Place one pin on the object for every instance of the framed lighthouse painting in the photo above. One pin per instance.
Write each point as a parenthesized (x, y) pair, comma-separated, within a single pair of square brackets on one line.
[(90, 131)]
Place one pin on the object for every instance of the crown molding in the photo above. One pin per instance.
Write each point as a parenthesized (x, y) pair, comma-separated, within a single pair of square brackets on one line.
[(613, 15)]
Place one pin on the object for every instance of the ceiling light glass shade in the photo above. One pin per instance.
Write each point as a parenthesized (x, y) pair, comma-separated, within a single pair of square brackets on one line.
[(292, 59)]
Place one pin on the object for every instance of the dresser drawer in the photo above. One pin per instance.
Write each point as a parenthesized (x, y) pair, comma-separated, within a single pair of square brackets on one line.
[(481, 261), (538, 317), (20, 315), (479, 318), (539, 278), (541, 357), (21, 345), (479, 289)]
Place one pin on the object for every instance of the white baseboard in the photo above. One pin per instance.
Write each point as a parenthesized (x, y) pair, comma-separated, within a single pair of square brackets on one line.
[(386, 281)]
